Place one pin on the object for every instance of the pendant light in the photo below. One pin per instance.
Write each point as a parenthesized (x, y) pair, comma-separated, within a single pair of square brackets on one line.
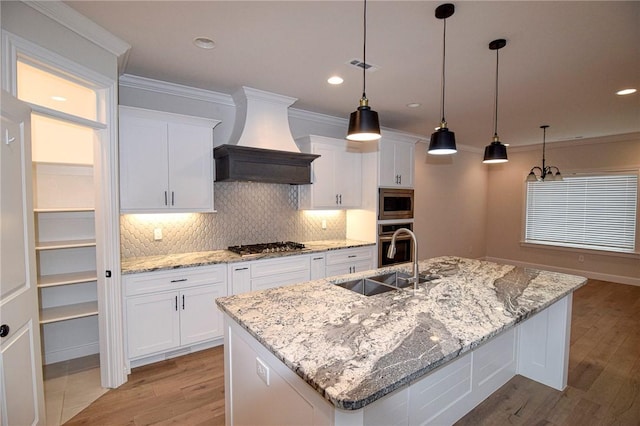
[(496, 152), (443, 141), (546, 172), (363, 123)]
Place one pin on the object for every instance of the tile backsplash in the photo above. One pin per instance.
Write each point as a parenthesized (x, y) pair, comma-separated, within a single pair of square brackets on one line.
[(247, 213)]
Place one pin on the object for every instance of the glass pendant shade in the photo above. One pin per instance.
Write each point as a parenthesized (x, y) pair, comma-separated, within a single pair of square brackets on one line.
[(364, 125), (531, 177), (494, 153), (442, 142)]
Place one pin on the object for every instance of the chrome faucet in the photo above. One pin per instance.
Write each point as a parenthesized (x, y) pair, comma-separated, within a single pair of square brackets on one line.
[(391, 252)]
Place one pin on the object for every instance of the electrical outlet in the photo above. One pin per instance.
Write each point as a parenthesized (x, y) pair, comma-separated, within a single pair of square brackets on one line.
[(324, 224), (262, 370), (580, 258), (157, 234)]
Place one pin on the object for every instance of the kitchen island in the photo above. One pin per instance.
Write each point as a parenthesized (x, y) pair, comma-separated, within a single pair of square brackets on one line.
[(316, 353)]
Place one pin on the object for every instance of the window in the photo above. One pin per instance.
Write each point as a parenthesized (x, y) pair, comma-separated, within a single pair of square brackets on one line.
[(589, 211)]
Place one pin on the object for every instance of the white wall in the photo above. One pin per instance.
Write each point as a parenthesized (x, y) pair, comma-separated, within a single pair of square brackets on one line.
[(450, 203), (506, 204)]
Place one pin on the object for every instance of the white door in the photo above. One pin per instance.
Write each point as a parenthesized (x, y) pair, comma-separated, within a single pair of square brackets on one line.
[(21, 386)]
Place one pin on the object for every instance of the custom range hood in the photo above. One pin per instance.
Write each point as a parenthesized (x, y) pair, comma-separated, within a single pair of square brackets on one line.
[(264, 150)]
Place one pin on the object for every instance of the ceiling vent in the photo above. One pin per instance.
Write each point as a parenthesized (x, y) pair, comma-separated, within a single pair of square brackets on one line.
[(369, 67)]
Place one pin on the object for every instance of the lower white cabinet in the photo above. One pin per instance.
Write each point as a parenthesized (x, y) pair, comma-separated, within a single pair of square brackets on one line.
[(268, 273), (318, 266), (348, 261), (168, 310)]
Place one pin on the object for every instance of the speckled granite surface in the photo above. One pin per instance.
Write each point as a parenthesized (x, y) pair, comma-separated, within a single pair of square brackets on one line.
[(355, 349), (186, 260)]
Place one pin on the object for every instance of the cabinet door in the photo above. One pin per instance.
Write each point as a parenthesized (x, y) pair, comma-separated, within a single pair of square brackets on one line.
[(144, 167), (190, 155), (324, 177), (386, 164), (317, 266), (239, 278), (404, 163), (200, 318), (153, 323), (342, 269), (348, 172)]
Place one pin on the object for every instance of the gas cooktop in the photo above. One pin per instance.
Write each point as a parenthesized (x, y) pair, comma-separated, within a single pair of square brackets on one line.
[(277, 247)]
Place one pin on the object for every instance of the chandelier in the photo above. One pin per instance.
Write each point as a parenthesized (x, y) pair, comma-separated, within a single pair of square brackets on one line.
[(545, 172)]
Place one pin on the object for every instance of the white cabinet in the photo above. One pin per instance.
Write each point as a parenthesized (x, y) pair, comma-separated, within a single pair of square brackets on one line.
[(171, 309), (166, 162), (348, 261), (336, 174), (268, 273), (395, 163), (318, 265), (239, 278)]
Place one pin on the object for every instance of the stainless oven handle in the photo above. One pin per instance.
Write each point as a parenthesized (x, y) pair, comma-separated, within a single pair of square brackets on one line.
[(385, 238)]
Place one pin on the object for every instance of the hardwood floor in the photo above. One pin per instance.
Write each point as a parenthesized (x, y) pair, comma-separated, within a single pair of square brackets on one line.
[(604, 378)]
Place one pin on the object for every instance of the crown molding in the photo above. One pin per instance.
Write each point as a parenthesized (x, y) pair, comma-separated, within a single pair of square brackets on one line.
[(83, 26), (623, 137), (164, 87)]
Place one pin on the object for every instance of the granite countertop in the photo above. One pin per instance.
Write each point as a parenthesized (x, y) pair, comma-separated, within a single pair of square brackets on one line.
[(186, 260), (355, 349)]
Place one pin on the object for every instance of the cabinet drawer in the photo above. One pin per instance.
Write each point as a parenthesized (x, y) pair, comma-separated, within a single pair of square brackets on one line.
[(279, 280), (280, 266), (335, 257), (151, 282)]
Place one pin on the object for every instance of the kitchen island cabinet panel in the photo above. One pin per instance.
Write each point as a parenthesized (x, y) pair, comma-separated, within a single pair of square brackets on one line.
[(166, 162), (439, 349)]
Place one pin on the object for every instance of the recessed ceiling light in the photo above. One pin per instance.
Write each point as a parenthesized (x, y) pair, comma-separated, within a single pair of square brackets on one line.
[(335, 80), (204, 43), (626, 92), (414, 105), (59, 98)]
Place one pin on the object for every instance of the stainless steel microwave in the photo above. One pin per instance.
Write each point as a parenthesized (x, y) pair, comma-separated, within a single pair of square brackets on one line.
[(394, 203)]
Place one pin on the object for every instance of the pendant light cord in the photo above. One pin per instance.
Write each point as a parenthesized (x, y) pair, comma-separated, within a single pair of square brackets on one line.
[(364, 52), (444, 47), (495, 117)]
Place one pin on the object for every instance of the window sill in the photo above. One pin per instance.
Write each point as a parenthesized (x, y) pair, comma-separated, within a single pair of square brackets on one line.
[(631, 255)]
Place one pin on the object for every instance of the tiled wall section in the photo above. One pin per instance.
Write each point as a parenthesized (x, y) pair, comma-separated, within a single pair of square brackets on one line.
[(246, 213)]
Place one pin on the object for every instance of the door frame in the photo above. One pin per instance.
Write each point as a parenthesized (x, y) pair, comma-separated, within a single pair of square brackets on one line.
[(113, 367)]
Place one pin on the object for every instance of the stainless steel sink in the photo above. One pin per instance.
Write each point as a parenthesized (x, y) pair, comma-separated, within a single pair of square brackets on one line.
[(379, 284), (366, 287), (400, 279)]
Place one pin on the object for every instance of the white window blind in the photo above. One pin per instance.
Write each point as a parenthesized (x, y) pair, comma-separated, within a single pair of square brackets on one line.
[(594, 212)]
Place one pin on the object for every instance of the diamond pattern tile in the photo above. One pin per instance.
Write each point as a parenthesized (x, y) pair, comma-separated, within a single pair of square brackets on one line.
[(247, 213)]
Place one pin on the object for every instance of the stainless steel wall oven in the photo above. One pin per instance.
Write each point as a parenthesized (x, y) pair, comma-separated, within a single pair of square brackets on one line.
[(404, 244)]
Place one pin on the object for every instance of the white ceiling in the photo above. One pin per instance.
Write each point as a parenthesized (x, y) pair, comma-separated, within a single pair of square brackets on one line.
[(562, 65)]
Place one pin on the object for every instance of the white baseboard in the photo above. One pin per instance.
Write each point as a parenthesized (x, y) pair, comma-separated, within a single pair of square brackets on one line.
[(621, 279), (71, 353)]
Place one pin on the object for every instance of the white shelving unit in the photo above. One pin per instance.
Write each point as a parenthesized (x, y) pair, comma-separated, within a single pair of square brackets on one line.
[(65, 216)]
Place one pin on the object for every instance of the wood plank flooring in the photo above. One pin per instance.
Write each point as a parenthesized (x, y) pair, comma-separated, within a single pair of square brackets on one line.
[(604, 378)]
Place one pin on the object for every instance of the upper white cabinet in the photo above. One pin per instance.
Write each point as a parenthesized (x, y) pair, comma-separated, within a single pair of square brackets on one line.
[(336, 174), (166, 162), (395, 163)]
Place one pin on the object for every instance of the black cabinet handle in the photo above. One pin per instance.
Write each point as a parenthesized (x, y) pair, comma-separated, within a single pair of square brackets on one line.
[(173, 199), (166, 202), (179, 281), (176, 303), (4, 330), (183, 302)]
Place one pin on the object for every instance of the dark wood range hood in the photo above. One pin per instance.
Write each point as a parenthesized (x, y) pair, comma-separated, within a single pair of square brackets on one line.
[(242, 163)]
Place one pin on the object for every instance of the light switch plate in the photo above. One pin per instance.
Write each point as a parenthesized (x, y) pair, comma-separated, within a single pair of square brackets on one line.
[(157, 234)]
